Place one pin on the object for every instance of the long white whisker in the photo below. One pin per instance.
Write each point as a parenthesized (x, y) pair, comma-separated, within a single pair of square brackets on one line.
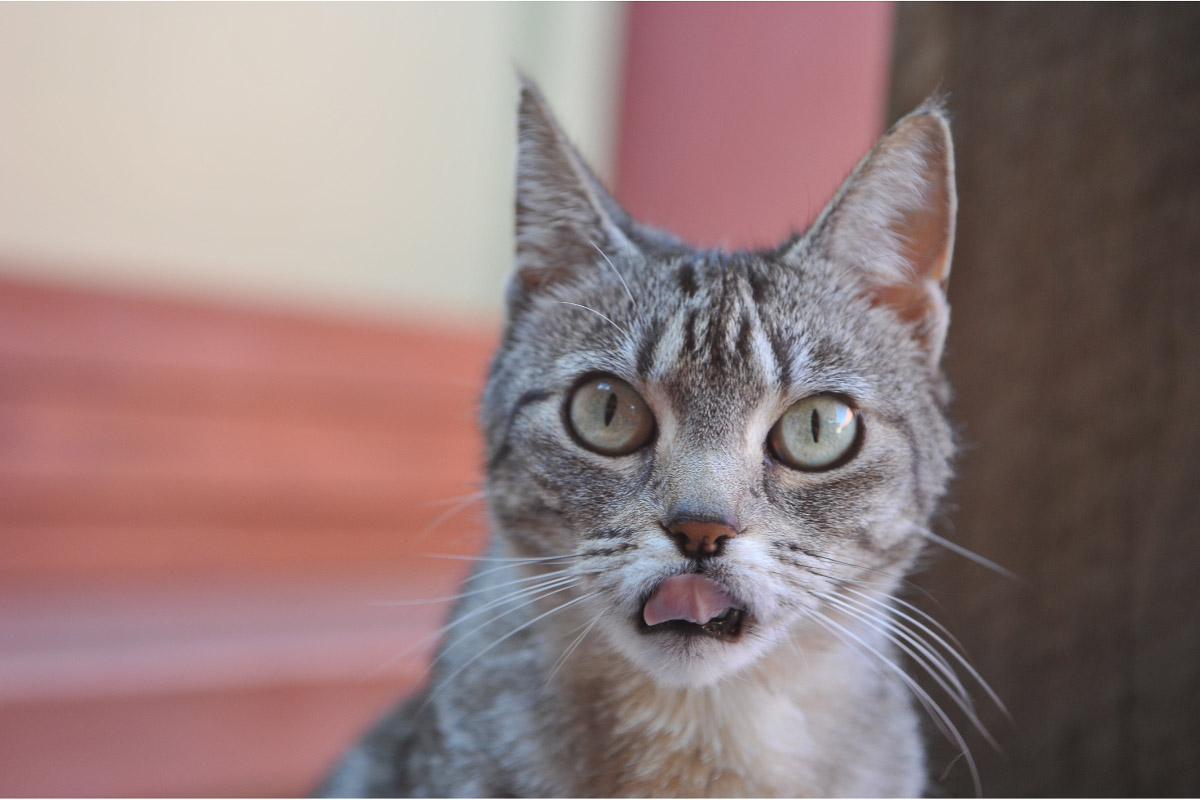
[(455, 557), (620, 277), (450, 678), (884, 573), (587, 628), (944, 723), (886, 623), (968, 554), (519, 594), (528, 599), (445, 501), (945, 633), (473, 592), (837, 284), (450, 512), (503, 563), (473, 576), (553, 584), (940, 722), (933, 663), (955, 651), (598, 314)]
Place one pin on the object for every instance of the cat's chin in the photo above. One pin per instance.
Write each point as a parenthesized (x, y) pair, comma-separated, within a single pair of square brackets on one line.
[(684, 655)]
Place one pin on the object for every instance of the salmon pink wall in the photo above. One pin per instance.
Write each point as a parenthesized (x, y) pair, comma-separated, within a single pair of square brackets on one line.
[(740, 120)]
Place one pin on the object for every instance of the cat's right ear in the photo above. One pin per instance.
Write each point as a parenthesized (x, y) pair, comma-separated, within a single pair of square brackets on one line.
[(565, 219)]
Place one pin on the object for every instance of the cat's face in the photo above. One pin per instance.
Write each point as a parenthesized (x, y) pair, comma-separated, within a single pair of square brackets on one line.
[(713, 440)]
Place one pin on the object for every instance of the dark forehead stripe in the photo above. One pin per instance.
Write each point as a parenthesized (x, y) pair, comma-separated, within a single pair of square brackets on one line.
[(743, 340), (689, 332), (648, 347), (687, 279), (714, 344), (779, 349), (758, 285), (723, 312)]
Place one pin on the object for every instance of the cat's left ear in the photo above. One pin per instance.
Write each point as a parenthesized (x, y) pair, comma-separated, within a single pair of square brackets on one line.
[(893, 222), (565, 220)]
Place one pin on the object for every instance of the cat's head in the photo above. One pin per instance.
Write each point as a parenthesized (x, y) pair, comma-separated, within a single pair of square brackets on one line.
[(717, 439)]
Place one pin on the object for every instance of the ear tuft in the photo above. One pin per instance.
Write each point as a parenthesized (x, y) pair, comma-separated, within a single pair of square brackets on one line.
[(893, 220)]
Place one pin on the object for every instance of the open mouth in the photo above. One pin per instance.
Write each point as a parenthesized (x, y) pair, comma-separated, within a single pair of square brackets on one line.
[(727, 627), (693, 605)]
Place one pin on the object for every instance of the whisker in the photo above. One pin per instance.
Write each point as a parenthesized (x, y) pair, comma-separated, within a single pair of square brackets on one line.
[(476, 575), (944, 724), (957, 651), (553, 583), (969, 554), (455, 557), (450, 678), (894, 628), (930, 661), (904, 581), (620, 277), (598, 314), (835, 286), (892, 598), (473, 592), (527, 600), (587, 628), (519, 594), (897, 673), (465, 502), (504, 563), (448, 500)]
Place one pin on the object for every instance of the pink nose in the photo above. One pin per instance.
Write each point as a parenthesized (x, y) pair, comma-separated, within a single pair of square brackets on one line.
[(698, 539)]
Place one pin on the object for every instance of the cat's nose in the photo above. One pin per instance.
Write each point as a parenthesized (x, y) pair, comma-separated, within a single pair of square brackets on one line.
[(700, 538)]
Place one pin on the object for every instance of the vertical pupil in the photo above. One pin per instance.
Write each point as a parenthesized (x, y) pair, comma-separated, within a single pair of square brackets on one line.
[(816, 425), (610, 408)]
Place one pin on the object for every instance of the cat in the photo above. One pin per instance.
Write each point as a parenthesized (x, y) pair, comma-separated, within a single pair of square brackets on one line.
[(708, 473)]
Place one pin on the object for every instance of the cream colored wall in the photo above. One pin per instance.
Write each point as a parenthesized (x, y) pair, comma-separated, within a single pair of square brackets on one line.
[(340, 156)]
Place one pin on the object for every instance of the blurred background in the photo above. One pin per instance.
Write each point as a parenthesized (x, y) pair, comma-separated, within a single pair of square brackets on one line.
[(251, 265)]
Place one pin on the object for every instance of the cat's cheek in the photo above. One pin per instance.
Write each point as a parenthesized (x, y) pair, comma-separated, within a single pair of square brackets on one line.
[(892, 541)]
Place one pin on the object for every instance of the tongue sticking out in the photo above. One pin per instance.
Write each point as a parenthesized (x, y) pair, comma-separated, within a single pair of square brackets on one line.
[(691, 598)]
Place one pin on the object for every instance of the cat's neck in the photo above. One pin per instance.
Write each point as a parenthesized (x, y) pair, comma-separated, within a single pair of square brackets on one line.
[(775, 728)]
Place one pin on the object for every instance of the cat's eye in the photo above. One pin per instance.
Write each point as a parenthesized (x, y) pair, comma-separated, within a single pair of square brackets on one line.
[(816, 433), (608, 416)]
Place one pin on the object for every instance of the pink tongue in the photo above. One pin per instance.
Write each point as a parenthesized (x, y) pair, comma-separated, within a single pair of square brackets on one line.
[(693, 598)]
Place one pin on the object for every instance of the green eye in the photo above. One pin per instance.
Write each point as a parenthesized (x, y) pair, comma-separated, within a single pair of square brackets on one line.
[(815, 433), (608, 416)]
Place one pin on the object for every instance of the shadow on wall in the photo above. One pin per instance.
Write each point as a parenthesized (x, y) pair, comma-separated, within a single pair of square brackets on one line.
[(1075, 352)]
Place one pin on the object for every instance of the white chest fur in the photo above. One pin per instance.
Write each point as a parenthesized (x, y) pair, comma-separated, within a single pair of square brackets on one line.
[(821, 724)]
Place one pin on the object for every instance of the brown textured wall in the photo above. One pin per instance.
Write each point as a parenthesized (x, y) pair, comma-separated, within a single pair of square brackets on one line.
[(1075, 350)]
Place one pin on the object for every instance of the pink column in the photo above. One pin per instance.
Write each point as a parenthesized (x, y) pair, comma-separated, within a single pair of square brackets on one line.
[(740, 120)]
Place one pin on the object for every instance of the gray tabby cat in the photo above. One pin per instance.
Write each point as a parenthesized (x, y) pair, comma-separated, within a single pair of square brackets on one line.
[(708, 473)]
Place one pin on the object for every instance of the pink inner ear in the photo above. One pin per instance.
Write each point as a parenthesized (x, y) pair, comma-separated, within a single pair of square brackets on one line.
[(927, 231), (910, 302), (536, 278)]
